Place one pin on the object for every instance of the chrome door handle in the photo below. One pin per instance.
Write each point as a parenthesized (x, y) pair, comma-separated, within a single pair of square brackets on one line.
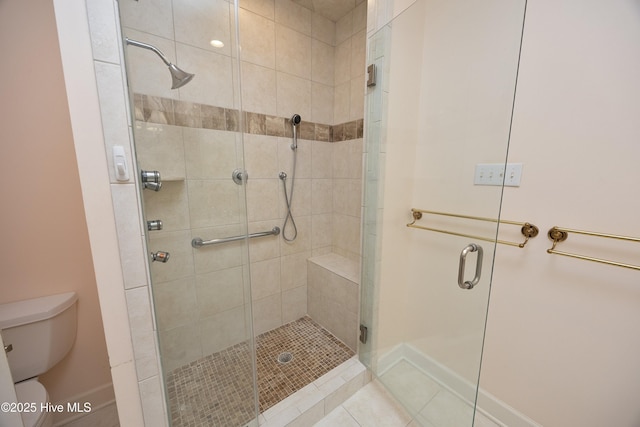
[(471, 247)]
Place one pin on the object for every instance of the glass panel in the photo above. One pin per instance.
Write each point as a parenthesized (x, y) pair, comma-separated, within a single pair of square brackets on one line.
[(442, 105), (191, 136), (303, 302)]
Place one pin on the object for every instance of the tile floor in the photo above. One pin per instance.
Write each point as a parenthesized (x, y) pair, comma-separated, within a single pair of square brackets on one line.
[(374, 406), (217, 390), (371, 406), (315, 351), (433, 404)]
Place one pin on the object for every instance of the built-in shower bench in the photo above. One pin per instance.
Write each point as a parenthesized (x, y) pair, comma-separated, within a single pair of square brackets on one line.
[(333, 295)]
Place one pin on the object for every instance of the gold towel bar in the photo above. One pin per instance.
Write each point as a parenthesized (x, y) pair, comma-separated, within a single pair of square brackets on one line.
[(528, 230), (559, 234)]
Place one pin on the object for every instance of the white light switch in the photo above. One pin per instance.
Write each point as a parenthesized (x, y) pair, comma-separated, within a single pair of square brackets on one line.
[(496, 174), (513, 175), (120, 163)]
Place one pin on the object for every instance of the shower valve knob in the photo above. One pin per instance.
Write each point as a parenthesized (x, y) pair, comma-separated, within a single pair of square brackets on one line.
[(150, 176), (154, 225), (239, 176), (151, 180), (160, 256)]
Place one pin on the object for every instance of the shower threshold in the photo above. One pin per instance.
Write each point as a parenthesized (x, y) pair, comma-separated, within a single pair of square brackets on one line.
[(217, 390)]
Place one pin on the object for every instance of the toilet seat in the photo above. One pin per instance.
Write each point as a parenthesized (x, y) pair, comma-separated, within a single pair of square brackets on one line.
[(31, 391)]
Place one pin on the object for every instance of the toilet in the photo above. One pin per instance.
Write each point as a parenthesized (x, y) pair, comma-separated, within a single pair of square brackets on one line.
[(39, 332)]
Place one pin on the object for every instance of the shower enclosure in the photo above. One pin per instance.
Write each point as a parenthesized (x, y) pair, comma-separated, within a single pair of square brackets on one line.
[(437, 127), (241, 313), (236, 262)]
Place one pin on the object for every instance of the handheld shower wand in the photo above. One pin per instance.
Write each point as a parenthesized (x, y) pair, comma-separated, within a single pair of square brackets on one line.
[(295, 121), (179, 77)]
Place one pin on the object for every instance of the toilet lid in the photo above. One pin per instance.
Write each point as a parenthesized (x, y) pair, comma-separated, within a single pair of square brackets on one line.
[(32, 392)]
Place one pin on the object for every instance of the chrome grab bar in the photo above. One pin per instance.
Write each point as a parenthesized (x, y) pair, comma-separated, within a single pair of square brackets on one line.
[(471, 247), (198, 242)]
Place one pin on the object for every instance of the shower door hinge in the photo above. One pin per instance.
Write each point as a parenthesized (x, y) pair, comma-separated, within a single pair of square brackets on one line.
[(363, 334), (371, 79)]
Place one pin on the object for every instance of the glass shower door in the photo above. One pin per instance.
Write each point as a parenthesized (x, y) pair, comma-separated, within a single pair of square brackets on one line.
[(440, 112), (189, 149)]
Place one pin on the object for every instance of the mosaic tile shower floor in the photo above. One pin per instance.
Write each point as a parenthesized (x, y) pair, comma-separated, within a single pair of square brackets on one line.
[(217, 389)]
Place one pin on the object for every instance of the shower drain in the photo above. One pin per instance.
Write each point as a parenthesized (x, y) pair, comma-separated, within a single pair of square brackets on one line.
[(285, 357)]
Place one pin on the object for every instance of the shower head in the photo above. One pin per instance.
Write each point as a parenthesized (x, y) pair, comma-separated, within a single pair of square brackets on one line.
[(295, 120), (179, 77)]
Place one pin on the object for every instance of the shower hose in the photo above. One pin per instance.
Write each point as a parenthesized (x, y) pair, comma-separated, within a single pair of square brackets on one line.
[(288, 197)]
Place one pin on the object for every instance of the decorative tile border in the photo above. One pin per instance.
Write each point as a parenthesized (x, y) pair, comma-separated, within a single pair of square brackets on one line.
[(155, 109)]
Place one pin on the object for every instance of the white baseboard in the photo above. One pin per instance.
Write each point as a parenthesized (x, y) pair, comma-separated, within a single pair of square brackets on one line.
[(98, 398), (488, 405)]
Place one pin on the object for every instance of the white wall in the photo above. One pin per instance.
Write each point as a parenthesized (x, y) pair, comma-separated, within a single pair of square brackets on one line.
[(45, 245), (562, 345)]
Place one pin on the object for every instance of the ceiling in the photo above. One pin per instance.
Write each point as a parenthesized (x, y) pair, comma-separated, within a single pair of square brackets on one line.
[(331, 9)]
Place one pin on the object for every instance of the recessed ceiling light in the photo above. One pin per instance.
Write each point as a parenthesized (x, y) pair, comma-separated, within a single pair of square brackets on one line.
[(217, 43)]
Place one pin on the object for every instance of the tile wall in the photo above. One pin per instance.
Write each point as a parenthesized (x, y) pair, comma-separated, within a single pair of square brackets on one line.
[(293, 61), (334, 295)]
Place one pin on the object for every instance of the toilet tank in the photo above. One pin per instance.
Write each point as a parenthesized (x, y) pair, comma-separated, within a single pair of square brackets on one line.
[(41, 332)]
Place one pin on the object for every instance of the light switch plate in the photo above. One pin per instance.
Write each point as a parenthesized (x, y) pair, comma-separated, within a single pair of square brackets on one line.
[(494, 174), (120, 163)]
